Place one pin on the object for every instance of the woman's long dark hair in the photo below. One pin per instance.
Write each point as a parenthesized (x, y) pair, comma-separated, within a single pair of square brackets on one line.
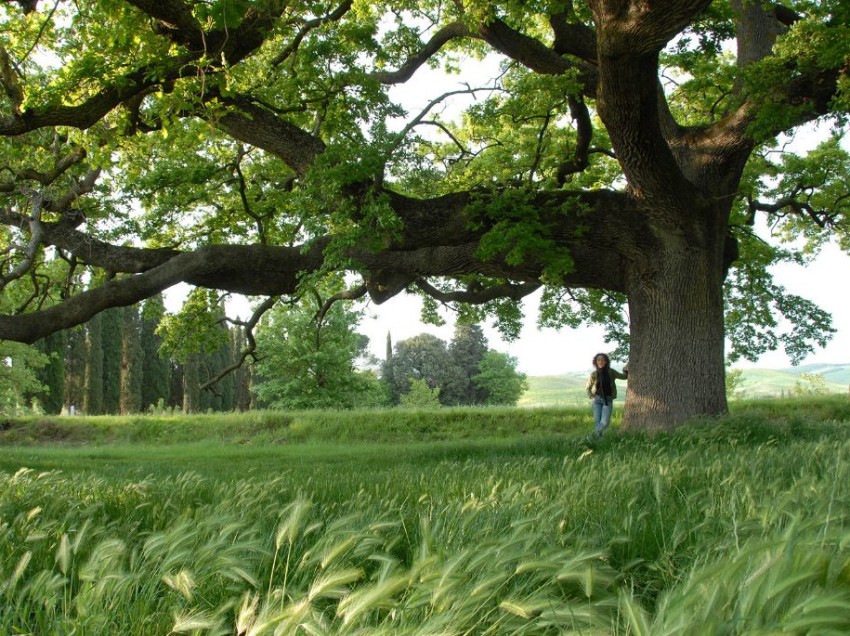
[(604, 355)]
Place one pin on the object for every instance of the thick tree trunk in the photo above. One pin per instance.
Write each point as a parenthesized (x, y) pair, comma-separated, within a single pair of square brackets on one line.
[(676, 365)]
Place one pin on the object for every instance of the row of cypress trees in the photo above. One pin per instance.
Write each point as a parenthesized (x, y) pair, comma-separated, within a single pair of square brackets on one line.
[(113, 365)]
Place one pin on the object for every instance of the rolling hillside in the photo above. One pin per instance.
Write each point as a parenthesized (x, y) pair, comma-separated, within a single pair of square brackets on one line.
[(568, 389), (555, 390), (776, 382)]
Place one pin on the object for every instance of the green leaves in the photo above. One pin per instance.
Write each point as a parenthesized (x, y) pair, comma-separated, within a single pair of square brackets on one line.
[(307, 362), (498, 376), (575, 307), (196, 328), (805, 198), (761, 316), (516, 232), (423, 371), (19, 365), (817, 44), (221, 14), (816, 187)]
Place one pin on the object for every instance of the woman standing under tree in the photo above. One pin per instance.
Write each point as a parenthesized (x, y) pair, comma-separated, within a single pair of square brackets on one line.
[(602, 390)]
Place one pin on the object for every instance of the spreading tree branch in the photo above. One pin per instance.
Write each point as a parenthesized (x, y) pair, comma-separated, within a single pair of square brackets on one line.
[(791, 204), (334, 16), (251, 347), (476, 295), (31, 251), (348, 294), (584, 134), (438, 40)]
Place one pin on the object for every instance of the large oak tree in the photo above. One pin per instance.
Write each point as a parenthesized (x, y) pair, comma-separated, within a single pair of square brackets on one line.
[(621, 155)]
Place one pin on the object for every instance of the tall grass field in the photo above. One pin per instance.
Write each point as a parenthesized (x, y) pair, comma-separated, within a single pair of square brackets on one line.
[(452, 522)]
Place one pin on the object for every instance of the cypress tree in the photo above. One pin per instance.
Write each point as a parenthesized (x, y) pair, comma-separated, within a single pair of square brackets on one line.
[(227, 385), (387, 372), (156, 369), (93, 397), (132, 367), (112, 323), (52, 375), (242, 375), (175, 385), (191, 384), (75, 367), (209, 399)]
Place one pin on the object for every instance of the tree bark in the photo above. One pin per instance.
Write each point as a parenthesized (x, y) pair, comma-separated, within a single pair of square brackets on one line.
[(676, 364)]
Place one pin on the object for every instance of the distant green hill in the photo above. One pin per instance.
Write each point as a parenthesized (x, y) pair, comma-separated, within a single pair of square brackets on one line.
[(555, 390), (832, 373), (568, 389), (776, 382)]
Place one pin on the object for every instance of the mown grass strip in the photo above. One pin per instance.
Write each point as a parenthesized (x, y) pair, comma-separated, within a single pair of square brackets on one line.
[(277, 427)]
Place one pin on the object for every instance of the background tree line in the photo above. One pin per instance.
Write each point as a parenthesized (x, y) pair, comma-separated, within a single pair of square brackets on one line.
[(313, 357), (116, 364), (308, 355)]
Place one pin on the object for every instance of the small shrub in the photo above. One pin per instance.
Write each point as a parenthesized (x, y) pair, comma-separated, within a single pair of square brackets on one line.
[(420, 395)]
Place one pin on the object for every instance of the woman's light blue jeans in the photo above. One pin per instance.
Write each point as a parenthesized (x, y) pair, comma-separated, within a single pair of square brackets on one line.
[(601, 414)]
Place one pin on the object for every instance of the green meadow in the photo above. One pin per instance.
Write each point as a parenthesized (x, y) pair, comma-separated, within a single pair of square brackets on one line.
[(450, 522)]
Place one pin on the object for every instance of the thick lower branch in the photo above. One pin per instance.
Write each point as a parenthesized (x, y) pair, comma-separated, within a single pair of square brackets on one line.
[(598, 229)]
